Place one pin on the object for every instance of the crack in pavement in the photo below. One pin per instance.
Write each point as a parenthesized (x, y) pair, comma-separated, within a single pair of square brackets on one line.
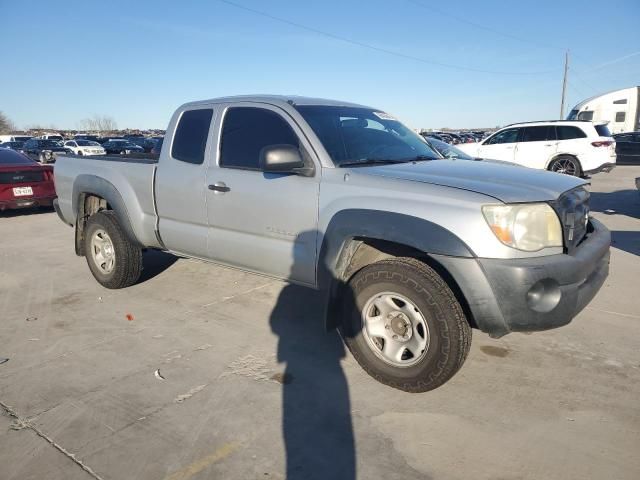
[(22, 423)]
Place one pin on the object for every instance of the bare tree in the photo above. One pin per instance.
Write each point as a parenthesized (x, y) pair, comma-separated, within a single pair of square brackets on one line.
[(6, 125), (98, 123)]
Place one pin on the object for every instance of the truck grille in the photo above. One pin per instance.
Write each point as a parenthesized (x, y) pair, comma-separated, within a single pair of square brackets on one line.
[(26, 176), (573, 209)]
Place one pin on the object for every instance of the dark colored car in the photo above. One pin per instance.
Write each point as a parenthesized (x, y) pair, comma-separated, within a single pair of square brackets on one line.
[(102, 140), (23, 182), (121, 147), (627, 148), (44, 151), (12, 145), (145, 142), (157, 146)]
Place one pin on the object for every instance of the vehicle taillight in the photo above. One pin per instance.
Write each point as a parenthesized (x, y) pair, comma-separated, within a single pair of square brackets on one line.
[(603, 143)]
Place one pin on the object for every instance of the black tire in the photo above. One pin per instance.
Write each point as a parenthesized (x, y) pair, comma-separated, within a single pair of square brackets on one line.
[(448, 329), (128, 257), (80, 153), (566, 164)]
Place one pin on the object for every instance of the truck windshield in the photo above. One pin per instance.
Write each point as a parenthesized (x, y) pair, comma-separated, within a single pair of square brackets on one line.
[(353, 135)]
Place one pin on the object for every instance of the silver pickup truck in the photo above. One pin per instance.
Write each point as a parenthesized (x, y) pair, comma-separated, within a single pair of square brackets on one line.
[(409, 251)]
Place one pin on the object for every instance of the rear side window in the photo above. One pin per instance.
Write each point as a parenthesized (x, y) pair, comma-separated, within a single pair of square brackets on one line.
[(191, 136), (620, 116), (566, 132), (538, 134), (246, 130), (603, 130)]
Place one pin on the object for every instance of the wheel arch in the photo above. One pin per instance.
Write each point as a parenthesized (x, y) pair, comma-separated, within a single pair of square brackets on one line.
[(562, 154), (357, 238), (92, 194)]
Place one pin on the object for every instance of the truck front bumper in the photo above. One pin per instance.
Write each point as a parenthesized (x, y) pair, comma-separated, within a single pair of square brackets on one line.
[(531, 294)]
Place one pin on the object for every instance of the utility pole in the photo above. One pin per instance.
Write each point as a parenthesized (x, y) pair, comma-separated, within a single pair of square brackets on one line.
[(564, 83)]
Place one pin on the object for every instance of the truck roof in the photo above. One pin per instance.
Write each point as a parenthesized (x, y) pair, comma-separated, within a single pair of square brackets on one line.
[(277, 100)]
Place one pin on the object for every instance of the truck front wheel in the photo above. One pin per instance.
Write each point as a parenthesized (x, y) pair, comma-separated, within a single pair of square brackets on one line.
[(404, 325), (114, 261)]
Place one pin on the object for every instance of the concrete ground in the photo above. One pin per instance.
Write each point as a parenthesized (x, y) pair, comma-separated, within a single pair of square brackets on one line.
[(205, 372)]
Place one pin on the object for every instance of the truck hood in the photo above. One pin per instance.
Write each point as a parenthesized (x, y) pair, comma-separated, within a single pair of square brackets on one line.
[(505, 182)]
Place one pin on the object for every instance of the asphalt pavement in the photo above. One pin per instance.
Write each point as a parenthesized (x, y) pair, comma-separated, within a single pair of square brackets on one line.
[(202, 372)]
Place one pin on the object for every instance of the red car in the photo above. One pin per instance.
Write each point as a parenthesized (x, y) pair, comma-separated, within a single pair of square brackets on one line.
[(24, 182)]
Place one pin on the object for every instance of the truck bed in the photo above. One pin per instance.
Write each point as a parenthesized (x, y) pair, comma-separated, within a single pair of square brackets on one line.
[(132, 177)]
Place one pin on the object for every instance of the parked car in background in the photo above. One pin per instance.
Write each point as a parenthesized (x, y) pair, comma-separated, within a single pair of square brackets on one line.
[(24, 182), (102, 140), (447, 150), (157, 147), (52, 136), (44, 151), (12, 145), (84, 136), (628, 147), (147, 143), (122, 147), (14, 138), (409, 251), (572, 147), (85, 147)]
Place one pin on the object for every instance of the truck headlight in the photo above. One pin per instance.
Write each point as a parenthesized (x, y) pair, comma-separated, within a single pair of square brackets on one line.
[(528, 226)]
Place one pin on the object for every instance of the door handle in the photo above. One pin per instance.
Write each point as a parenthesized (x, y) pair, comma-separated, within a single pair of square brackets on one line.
[(219, 187)]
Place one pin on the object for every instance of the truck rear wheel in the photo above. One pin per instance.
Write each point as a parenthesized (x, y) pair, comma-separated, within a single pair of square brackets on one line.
[(114, 261), (404, 325)]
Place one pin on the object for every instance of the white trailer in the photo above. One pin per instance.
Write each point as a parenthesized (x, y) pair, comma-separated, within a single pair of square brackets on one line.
[(619, 108)]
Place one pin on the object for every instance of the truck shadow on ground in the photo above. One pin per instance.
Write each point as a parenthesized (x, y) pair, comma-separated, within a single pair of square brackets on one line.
[(154, 263), (23, 212), (621, 202), (316, 409)]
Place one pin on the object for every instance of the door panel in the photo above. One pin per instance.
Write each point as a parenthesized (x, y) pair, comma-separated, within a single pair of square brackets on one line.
[(180, 191), (536, 147), (263, 222)]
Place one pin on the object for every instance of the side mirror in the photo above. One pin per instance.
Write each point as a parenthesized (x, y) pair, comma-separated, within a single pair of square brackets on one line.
[(284, 159)]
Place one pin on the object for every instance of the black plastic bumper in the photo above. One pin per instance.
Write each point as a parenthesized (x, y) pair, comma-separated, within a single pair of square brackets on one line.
[(605, 167), (532, 294)]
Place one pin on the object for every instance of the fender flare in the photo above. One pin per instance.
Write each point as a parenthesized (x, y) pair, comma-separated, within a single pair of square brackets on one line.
[(348, 227), (94, 185)]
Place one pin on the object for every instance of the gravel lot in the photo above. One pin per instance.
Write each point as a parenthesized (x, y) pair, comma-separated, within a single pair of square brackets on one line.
[(83, 394)]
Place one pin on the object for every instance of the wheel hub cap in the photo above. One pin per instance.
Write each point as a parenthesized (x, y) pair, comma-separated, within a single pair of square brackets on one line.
[(102, 251), (400, 326), (395, 329)]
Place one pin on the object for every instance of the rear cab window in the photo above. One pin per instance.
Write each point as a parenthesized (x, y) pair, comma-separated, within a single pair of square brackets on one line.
[(190, 138)]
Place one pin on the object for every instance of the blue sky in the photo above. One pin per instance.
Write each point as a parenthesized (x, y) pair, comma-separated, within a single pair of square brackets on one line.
[(138, 60)]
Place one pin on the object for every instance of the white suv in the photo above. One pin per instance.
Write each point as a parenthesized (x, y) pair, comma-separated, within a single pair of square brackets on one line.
[(572, 147)]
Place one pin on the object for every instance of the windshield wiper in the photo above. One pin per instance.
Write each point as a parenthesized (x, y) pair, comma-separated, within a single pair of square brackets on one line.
[(420, 158), (370, 161)]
